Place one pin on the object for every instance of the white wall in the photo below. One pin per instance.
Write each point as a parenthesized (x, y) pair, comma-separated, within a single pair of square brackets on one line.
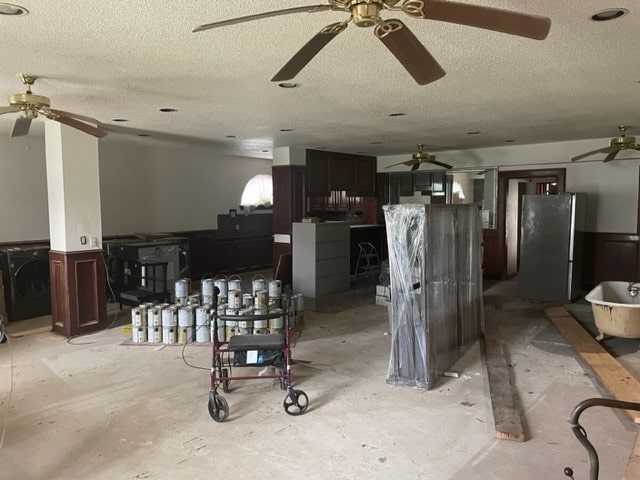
[(144, 186), (611, 188)]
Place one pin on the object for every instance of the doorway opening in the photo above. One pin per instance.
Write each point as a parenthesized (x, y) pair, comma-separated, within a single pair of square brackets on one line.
[(512, 185)]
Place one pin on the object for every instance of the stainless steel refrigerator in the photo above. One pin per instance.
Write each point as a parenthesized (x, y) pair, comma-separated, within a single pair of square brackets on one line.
[(551, 246)]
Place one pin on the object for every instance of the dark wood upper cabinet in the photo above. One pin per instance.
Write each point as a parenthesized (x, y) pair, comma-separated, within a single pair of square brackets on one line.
[(288, 196), (317, 173), (343, 172), (332, 171)]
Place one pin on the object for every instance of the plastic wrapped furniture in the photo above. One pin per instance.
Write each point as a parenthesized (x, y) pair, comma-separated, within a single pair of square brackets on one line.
[(436, 288)]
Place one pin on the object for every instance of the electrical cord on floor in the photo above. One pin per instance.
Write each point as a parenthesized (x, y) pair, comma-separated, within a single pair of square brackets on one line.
[(6, 417), (184, 346)]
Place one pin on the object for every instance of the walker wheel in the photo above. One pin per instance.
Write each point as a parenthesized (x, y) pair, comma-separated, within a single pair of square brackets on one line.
[(218, 407), (296, 402), (225, 382)]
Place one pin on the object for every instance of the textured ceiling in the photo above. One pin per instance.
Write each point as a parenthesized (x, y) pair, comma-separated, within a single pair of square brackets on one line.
[(127, 59)]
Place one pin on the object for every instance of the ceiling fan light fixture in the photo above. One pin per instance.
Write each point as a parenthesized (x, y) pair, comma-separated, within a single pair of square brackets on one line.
[(288, 85), (609, 14), (12, 10)]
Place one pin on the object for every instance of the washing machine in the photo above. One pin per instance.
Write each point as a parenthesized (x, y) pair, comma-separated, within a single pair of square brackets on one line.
[(25, 271)]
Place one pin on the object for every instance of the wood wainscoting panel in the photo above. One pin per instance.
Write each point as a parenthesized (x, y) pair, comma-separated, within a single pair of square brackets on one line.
[(78, 295), (616, 256)]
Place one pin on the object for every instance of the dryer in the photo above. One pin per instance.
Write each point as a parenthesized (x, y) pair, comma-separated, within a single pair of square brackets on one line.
[(25, 273)]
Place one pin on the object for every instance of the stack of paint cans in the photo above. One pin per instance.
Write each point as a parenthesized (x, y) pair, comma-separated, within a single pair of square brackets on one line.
[(186, 321), (203, 332), (208, 288), (139, 324), (182, 291), (169, 324)]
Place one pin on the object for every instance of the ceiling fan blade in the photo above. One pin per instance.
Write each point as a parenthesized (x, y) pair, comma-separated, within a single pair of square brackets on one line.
[(415, 167), (310, 50), (593, 152), (611, 156), (275, 13), (9, 109), (75, 115), (441, 164), (504, 21), (21, 127), (408, 163), (72, 122), (404, 45)]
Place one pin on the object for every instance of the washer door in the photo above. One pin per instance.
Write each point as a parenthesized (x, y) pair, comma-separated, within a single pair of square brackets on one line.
[(31, 279)]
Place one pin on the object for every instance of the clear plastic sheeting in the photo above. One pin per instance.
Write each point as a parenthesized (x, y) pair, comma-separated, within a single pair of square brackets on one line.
[(436, 288)]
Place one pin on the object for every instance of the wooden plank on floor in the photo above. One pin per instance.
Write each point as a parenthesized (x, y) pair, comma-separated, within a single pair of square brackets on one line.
[(633, 467), (506, 414), (620, 383)]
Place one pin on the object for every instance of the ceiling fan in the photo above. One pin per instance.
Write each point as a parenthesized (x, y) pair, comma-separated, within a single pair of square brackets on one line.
[(394, 34), (617, 144), (419, 158), (31, 106)]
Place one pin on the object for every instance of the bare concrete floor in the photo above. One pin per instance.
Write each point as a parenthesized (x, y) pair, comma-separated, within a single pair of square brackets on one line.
[(92, 408)]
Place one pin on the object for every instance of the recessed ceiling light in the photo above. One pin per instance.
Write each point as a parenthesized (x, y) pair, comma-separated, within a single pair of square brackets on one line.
[(11, 9), (265, 150), (376, 143), (609, 14), (143, 134), (473, 133), (231, 136), (509, 141), (119, 120), (399, 114), (286, 129), (288, 85), (167, 109)]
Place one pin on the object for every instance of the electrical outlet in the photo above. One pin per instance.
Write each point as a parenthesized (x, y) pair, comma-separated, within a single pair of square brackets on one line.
[(83, 240)]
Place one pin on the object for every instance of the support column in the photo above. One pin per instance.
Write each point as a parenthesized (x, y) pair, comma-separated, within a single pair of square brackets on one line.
[(76, 265), (289, 178)]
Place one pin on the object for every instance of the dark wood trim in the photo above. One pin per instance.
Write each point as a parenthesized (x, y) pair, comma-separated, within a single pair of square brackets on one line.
[(78, 297), (503, 183)]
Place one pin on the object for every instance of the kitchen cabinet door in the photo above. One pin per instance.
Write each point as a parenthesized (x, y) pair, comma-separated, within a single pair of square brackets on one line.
[(343, 174), (366, 173), (317, 173)]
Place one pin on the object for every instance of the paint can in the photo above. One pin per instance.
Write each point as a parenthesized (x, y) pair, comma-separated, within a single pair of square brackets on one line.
[(245, 322), (231, 328), (222, 299), (185, 334), (207, 288), (202, 315), (138, 317), (185, 317), (275, 288), (261, 299), (221, 330), (260, 324), (258, 283), (168, 335), (277, 322), (182, 291), (220, 281), (235, 283), (147, 305), (154, 334), (193, 300), (275, 303), (234, 299), (274, 331), (260, 331), (247, 300), (154, 317), (203, 334), (170, 316), (139, 334)]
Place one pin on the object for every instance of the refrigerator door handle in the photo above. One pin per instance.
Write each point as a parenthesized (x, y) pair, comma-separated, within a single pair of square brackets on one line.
[(572, 231)]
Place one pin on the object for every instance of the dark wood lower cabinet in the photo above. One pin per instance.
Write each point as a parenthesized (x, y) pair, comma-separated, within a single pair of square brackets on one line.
[(611, 256), (78, 297)]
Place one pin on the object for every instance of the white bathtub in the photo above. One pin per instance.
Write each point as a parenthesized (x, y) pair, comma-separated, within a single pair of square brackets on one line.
[(615, 311)]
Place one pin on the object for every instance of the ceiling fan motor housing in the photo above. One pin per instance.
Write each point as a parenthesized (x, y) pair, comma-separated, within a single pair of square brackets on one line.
[(623, 142), (366, 13)]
